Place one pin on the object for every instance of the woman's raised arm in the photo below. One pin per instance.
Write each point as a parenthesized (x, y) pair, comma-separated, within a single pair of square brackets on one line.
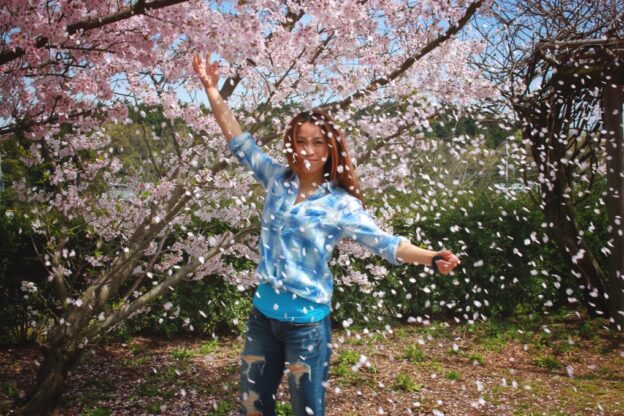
[(209, 75)]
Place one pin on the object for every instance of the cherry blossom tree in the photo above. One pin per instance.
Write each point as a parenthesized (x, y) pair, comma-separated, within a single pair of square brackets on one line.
[(69, 72)]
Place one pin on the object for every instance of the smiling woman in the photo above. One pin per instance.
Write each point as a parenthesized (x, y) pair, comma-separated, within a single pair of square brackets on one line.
[(316, 152), (309, 207)]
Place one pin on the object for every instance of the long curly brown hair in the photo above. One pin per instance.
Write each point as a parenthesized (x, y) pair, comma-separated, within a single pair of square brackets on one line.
[(338, 166)]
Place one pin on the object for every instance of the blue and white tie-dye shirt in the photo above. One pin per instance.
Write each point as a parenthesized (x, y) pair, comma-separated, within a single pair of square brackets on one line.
[(297, 241)]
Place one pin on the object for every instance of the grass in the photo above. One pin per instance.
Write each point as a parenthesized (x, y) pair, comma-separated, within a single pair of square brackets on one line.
[(208, 347), (345, 360), (181, 354), (134, 362), (10, 392), (476, 358), (154, 408), (452, 375), (342, 368), (283, 409), (413, 354), (547, 362), (403, 382), (204, 349), (224, 407), (99, 411)]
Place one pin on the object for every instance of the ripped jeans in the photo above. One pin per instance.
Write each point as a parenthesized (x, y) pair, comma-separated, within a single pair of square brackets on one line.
[(273, 347)]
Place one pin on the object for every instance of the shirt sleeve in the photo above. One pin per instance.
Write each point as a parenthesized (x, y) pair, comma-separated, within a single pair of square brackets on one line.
[(249, 154), (359, 226)]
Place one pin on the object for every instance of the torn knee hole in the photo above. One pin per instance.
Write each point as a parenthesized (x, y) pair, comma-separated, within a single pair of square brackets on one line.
[(248, 403), (251, 358), (297, 370)]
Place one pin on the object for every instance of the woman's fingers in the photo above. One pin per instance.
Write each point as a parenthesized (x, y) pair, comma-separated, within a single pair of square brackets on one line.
[(446, 266), (197, 65), (208, 72), (443, 266)]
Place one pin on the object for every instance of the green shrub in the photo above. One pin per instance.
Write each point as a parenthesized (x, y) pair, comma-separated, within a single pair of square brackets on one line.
[(19, 261), (507, 269), (210, 306)]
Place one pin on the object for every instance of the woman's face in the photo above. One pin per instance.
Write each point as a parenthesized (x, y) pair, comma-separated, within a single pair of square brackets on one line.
[(311, 148)]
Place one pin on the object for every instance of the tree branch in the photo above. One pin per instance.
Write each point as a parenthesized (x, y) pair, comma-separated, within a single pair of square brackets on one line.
[(121, 314), (382, 81), (140, 7)]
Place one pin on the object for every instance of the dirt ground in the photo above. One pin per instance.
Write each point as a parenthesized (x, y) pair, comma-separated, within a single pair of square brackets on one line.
[(549, 366)]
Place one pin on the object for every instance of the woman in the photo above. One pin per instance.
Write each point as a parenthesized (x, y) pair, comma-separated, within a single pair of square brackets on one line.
[(309, 206)]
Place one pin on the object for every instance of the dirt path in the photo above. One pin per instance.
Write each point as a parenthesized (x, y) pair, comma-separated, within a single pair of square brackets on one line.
[(550, 367)]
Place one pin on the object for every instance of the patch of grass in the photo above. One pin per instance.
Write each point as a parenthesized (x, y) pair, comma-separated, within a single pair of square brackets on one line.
[(224, 407), (100, 383), (436, 330), (476, 358), (542, 341), (153, 408), (413, 354), (99, 411), (547, 362), (564, 346), (435, 366), (231, 369), (404, 382), (181, 354), (148, 390), (452, 375), (10, 391), (207, 347), (588, 330), (134, 362), (452, 351), (586, 393), (345, 360), (283, 409), (523, 409), (607, 372), (494, 335), (134, 347)]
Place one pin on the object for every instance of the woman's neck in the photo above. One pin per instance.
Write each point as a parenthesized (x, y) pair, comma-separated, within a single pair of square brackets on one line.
[(307, 182)]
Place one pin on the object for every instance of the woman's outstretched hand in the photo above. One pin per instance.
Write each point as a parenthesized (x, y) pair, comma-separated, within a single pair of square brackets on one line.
[(448, 263), (208, 73)]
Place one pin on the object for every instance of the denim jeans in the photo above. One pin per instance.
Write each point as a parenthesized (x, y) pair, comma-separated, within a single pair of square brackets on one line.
[(273, 348)]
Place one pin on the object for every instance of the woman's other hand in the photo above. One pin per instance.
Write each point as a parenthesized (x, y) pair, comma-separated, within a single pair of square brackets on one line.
[(448, 262)]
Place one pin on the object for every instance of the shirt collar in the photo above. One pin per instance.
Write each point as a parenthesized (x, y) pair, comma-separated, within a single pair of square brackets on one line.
[(329, 186)]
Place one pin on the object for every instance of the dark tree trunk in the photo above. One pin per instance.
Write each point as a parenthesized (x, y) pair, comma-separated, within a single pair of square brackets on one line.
[(613, 97), (547, 123), (562, 214), (59, 358)]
